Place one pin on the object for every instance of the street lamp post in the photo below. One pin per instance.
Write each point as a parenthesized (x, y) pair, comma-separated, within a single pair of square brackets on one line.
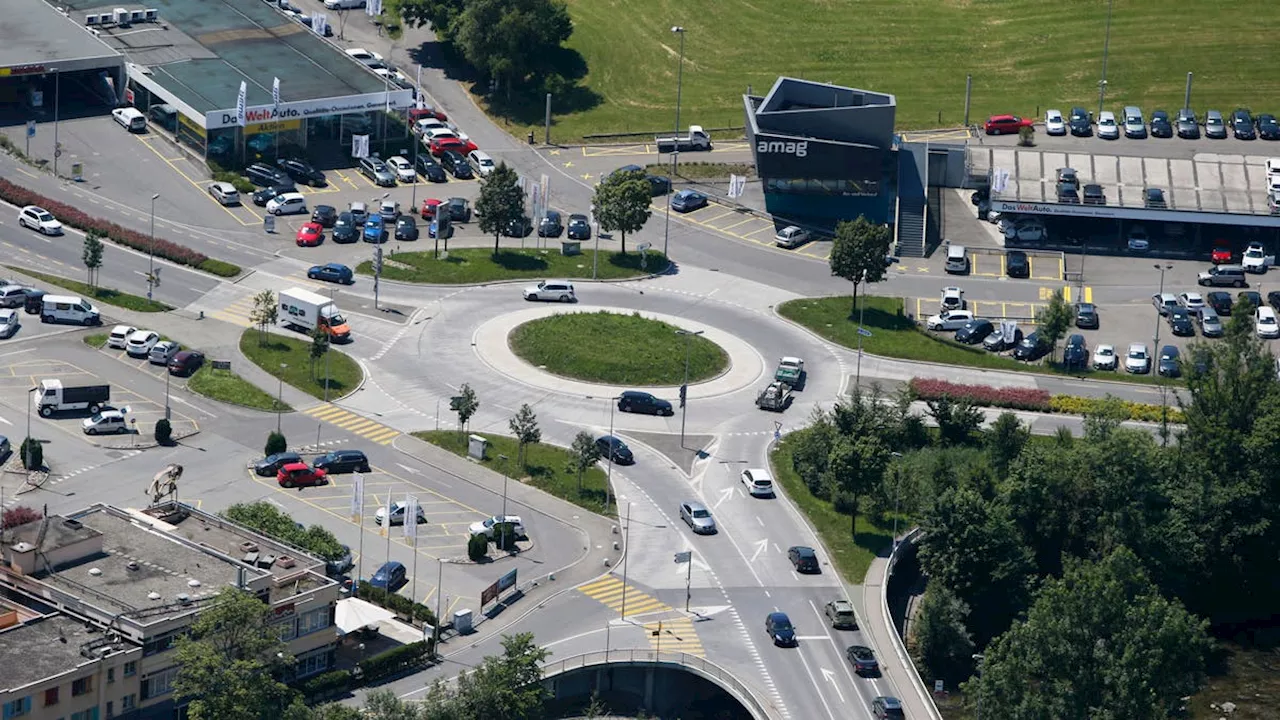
[(326, 369), (977, 659), (151, 249), (675, 157), (608, 481), (1155, 351), (1106, 47), (684, 389), (503, 459), (29, 443), (167, 413), (57, 94), (280, 398)]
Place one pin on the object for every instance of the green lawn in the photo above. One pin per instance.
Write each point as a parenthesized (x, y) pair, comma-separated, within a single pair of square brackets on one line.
[(95, 340), (704, 170), (467, 266), (893, 334), (103, 295), (546, 466), (919, 50), (228, 387), (852, 557), (609, 347), (345, 374)]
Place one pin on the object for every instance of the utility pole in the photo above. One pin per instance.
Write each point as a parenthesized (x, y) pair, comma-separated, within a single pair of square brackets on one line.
[(1106, 47), (684, 389), (151, 248)]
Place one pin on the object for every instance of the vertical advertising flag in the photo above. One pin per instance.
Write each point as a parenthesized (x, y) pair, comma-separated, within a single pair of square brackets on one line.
[(357, 498), (240, 99), (410, 516), (275, 94)]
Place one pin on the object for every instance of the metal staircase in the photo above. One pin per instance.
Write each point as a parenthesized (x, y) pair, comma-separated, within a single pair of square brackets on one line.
[(911, 201)]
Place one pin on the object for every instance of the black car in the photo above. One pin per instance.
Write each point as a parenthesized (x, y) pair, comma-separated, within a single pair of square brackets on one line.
[(271, 464), (634, 401), (1220, 301), (342, 461), (406, 228), (1180, 321), (339, 564), (430, 169), (1067, 193), (579, 227), (1080, 123), (326, 215), (550, 225), (1154, 198), (1168, 366), (1273, 299), (332, 272), (1086, 316), (658, 185), (1188, 126), (518, 227), (1094, 195), (1242, 125), (34, 303), (863, 660), (302, 172), (345, 229), (1253, 297), (614, 450), (1032, 347), (261, 197), (1161, 127), (1268, 128), (456, 164), (975, 331), (459, 210), (803, 559), (264, 175), (1076, 353)]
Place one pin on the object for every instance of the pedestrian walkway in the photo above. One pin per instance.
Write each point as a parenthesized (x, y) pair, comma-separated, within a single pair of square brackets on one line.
[(611, 591), (228, 303), (674, 635), (353, 423)]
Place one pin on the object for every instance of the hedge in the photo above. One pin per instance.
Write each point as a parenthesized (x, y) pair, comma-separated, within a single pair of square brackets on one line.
[(397, 603), (393, 661), (17, 195), (326, 685), (985, 395), (1137, 411)]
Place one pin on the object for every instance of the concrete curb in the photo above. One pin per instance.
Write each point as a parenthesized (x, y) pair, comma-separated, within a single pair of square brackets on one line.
[(149, 445), (446, 286)]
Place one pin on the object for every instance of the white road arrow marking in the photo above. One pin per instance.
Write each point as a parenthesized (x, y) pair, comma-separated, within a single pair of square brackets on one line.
[(761, 546), (830, 677), (725, 494), (410, 470), (6, 422)]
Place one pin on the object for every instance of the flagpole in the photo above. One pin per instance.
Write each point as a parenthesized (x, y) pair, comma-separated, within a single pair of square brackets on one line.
[(275, 97), (357, 510)]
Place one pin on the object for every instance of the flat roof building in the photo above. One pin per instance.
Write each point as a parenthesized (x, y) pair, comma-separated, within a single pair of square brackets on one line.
[(39, 47)]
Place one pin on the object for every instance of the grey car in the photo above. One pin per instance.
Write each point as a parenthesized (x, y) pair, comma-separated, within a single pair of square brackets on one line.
[(698, 517), (377, 171), (1210, 323)]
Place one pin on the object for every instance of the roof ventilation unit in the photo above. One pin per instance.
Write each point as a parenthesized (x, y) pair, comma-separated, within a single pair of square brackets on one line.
[(91, 19), (120, 16), (152, 15)]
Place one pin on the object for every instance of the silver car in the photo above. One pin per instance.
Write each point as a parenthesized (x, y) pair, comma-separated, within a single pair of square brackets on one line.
[(698, 517), (791, 237), (377, 171), (1210, 323)]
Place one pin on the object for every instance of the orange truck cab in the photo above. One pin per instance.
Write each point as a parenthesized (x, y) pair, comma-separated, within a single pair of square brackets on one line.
[(307, 310)]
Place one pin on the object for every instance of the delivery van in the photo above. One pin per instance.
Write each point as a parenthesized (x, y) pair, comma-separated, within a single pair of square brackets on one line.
[(69, 309)]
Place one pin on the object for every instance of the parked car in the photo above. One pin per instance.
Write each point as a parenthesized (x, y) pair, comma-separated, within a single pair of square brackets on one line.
[(635, 401), (758, 481), (1138, 240), (1054, 123), (579, 227), (1264, 320), (1223, 275), (554, 290), (269, 193), (1154, 198), (518, 227), (271, 464), (1134, 126), (1209, 322), (791, 236), (264, 175), (1180, 322), (302, 171), (614, 450), (430, 169), (1087, 316), (406, 228), (952, 298), (1168, 365), (225, 193), (390, 576), (290, 203), (459, 210), (40, 220), (487, 526), (1188, 125), (186, 362), (9, 323), (1107, 127), (803, 559), (1242, 125), (373, 231), (1250, 298), (1219, 301), (119, 336), (1268, 128), (140, 342), (399, 511), (1076, 354), (975, 331), (949, 320), (840, 614), (1005, 124), (998, 341), (310, 234), (1017, 264), (1164, 302), (1094, 195), (105, 422), (343, 461), (481, 162), (1081, 122), (332, 272), (1068, 194), (162, 352), (377, 172), (430, 206), (1192, 301), (688, 201), (403, 169), (457, 165), (779, 628), (446, 143), (299, 474), (1214, 126), (1221, 253), (345, 229), (1032, 348), (1255, 258), (863, 660), (697, 517), (1104, 357), (1137, 360), (550, 225), (1161, 127), (434, 230)]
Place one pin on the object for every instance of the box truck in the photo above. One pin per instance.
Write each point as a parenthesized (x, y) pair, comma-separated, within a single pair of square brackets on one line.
[(695, 139), (56, 397), (307, 310)]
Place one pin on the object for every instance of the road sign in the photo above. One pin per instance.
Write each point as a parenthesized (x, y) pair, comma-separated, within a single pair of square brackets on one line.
[(269, 223), (864, 332), (643, 246), (221, 364), (31, 128), (684, 557)]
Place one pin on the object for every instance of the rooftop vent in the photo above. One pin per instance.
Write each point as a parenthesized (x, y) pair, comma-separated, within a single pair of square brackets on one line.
[(132, 565), (248, 547), (96, 572), (193, 583), (184, 598), (153, 595)]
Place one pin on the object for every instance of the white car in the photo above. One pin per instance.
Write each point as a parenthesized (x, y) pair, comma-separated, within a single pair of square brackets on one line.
[(1104, 357), (1138, 361), (791, 236), (949, 320), (343, 4), (561, 290), (952, 298), (395, 77), (163, 352), (402, 168), (1139, 241), (425, 124), (441, 131), (1255, 259), (481, 162), (485, 527), (365, 57), (8, 322), (40, 220), (106, 421), (1054, 124), (140, 342), (1107, 127), (398, 510), (1025, 230), (225, 193), (119, 336), (1265, 324), (290, 203), (1192, 301), (758, 481)]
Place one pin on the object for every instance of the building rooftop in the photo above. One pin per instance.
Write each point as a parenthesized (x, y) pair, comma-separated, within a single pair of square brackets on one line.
[(201, 50), (792, 94), (45, 647), (35, 33)]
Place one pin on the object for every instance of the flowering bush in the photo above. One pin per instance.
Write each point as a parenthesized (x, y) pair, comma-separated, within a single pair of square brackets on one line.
[(1144, 412), (1013, 398)]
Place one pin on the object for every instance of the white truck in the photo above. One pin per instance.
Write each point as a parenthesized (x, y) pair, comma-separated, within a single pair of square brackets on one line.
[(695, 139), (307, 310), (55, 397)]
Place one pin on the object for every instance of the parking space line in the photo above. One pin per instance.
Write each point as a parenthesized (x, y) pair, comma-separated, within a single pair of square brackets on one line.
[(744, 222), (711, 220), (203, 191), (1031, 262)]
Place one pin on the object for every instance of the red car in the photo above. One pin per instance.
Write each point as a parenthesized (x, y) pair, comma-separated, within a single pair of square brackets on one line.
[(1006, 124), (310, 235), (429, 207), (440, 144), (300, 474), (426, 111), (1221, 253)]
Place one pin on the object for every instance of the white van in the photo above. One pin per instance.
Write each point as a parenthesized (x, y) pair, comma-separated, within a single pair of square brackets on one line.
[(130, 119), (69, 309), (957, 260)]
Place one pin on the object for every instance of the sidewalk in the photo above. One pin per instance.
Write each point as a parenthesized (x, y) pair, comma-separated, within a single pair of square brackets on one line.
[(875, 623)]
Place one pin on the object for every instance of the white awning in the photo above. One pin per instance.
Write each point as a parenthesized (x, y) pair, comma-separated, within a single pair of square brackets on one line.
[(353, 614)]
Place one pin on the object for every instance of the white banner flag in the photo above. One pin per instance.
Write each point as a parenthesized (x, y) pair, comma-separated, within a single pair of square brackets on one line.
[(357, 498), (359, 146), (320, 24), (240, 99), (275, 93), (386, 514), (410, 516), (373, 8)]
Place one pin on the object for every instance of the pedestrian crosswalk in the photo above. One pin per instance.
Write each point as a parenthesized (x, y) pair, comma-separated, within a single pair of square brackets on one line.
[(351, 422), (673, 634), (611, 591), (237, 311)]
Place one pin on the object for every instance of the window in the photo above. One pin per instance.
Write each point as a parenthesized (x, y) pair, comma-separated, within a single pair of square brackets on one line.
[(159, 683), (311, 663), (128, 702), (131, 668), (111, 675), (312, 621), (90, 714), (161, 643), (17, 708), (111, 709), (81, 686), (51, 696), (287, 630)]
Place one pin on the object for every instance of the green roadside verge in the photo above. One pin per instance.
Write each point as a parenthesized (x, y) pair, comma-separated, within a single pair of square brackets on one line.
[(547, 468), (225, 386), (108, 296), (608, 347), (95, 340), (704, 170), (893, 334), (468, 266), (270, 352)]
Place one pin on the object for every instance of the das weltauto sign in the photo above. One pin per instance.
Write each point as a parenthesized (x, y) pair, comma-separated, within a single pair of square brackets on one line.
[(396, 99)]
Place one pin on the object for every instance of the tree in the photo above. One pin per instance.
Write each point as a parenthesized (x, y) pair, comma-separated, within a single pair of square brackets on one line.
[(856, 466), (92, 255), (229, 663), (511, 41), (1053, 320), (31, 454), (623, 203), (18, 515), (508, 687), (524, 426), (478, 547), (1101, 642), (957, 420), (164, 431), (811, 451), (1005, 440), (939, 642), (265, 312), (858, 253), (319, 346), (501, 201), (585, 453), (465, 404), (276, 443), (439, 14)]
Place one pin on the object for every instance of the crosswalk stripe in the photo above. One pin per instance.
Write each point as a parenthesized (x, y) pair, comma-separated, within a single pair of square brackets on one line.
[(349, 421), (326, 412), (360, 427), (383, 437), (603, 582)]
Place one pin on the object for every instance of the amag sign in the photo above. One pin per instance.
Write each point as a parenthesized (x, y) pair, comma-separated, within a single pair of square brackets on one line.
[(782, 157), (395, 100)]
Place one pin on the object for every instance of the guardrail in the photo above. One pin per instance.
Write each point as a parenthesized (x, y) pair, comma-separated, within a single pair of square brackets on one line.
[(737, 688), (898, 646)]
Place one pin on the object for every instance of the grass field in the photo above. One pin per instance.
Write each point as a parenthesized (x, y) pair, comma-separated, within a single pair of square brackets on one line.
[(1024, 55), (102, 295), (95, 340), (228, 387), (344, 373), (546, 466), (466, 266), (608, 347)]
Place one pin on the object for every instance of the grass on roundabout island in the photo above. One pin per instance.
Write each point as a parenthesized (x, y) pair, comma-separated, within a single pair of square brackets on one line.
[(228, 387), (617, 349), (107, 296), (895, 335), (269, 350), (546, 466), (468, 266)]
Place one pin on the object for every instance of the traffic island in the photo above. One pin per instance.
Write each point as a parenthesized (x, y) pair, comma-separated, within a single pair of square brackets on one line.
[(473, 266), (228, 387), (290, 360), (103, 295), (617, 349)]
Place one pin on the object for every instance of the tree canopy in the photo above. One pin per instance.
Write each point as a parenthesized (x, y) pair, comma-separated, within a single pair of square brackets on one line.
[(501, 201), (859, 252), (622, 203)]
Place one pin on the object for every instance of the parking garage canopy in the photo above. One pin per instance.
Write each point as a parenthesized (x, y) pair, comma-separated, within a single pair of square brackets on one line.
[(40, 46)]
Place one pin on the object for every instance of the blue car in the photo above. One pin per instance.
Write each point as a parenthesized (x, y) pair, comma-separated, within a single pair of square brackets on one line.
[(373, 231), (433, 230), (780, 629), (332, 272), (389, 577), (688, 201)]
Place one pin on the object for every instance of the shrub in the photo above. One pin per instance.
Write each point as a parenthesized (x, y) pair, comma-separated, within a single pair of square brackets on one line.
[(1073, 405), (19, 515), (327, 685), (267, 519), (164, 431), (985, 395), (276, 443), (478, 547), (395, 660), (34, 450), (219, 268), (397, 603)]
